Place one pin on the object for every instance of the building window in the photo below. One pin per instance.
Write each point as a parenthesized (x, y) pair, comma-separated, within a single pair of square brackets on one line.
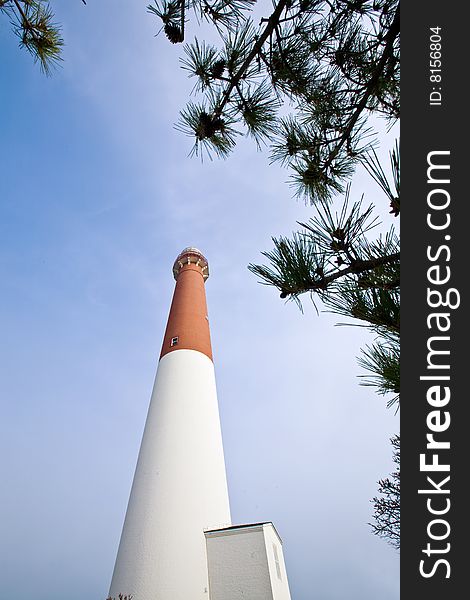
[(174, 341), (276, 560)]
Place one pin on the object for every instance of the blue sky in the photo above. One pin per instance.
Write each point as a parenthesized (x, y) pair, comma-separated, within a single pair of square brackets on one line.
[(97, 197)]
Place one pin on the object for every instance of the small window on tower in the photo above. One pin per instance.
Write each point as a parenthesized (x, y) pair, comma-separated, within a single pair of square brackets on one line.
[(174, 341)]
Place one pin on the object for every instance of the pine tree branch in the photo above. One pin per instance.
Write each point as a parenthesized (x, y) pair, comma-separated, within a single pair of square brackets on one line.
[(272, 22), (355, 268), (321, 284), (390, 37), (26, 22), (183, 9), (38, 34)]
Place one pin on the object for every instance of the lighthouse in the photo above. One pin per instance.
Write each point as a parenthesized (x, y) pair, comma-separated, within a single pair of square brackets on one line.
[(177, 542), (180, 487)]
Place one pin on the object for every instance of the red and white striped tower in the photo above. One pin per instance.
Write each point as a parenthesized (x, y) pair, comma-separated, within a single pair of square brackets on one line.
[(179, 486)]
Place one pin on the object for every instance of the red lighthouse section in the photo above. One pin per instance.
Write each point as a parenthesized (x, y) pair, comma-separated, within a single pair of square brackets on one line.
[(188, 323)]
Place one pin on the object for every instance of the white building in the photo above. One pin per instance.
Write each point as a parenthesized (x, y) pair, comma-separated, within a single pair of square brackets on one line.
[(177, 541), (246, 561)]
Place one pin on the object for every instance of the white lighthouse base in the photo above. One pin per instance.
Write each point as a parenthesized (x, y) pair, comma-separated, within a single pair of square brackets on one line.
[(179, 487)]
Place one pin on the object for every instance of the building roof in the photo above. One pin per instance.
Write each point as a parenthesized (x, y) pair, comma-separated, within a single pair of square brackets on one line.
[(244, 526)]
